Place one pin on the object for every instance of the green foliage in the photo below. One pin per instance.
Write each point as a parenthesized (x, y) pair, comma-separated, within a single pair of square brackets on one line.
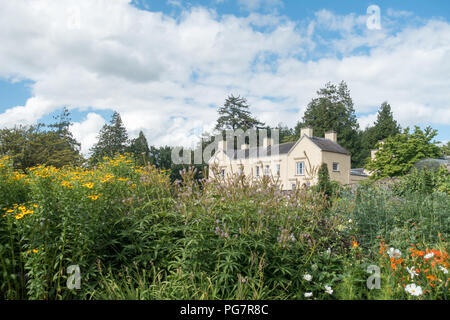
[(424, 181), (333, 110), (140, 150), (235, 114), (324, 183), (446, 149), (397, 154), (385, 126), (112, 140), (29, 146)]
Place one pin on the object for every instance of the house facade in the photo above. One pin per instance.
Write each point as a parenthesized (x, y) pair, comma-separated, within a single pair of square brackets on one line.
[(291, 164)]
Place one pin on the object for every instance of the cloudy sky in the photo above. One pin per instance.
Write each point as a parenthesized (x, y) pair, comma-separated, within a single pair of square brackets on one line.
[(167, 65)]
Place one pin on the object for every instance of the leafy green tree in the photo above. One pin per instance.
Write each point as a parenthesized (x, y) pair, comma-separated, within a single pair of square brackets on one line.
[(286, 134), (66, 148), (140, 150), (385, 126), (235, 114), (62, 128), (161, 157), (324, 183), (446, 149), (333, 110), (397, 154), (112, 140), (29, 146)]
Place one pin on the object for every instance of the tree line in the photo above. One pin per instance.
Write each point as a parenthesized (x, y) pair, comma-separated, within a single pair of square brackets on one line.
[(331, 109)]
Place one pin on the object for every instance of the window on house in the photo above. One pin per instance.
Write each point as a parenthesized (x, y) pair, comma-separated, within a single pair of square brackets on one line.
[(267, 170), (300, 168), (257, 171), (240, 170), (278, 170), (222, 172), (293, 186), (335, 166)]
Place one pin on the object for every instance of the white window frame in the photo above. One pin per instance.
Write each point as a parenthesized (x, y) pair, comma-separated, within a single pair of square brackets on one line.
[(302, 173), (267, 170), (337, 166)]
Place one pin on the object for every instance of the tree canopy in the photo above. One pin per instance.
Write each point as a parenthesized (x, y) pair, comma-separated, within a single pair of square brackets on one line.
[(397, 154), (29, 146), (333, 109), (235, 114), (140, 150), (112, 140)]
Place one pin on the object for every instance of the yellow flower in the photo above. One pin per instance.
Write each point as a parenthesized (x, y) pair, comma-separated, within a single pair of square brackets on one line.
[(35, 250), (66, 184), (94, 196), (89, 185)]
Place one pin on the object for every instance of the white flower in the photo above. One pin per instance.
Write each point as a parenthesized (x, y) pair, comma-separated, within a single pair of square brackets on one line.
[(414, 290), (350, 220), (329, 251), (445, 271), (307, 277), (308, 294), (394, 253), (429, 255), (328, 290), (412, 272)]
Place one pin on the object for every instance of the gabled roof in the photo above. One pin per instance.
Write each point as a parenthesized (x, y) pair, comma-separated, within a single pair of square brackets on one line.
[(284, 148), (328, 145)]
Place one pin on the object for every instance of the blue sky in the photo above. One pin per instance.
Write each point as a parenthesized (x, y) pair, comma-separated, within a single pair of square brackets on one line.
[(167, 66)]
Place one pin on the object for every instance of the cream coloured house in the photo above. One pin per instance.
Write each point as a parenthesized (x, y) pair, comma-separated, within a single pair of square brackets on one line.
[(291, 164)]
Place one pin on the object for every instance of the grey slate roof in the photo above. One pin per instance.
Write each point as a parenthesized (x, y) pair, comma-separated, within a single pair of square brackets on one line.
[(358, 172), (283, 148), (328, 145)]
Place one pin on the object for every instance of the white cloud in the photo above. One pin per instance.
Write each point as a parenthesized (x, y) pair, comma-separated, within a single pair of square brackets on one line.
[(87, 130), (167, 76)]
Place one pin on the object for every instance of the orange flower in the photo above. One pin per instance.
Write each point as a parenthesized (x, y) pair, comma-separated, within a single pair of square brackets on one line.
[(355, 244), (431, 277)]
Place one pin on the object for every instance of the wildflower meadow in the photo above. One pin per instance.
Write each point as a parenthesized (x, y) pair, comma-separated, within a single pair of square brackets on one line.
[(130, 233)]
